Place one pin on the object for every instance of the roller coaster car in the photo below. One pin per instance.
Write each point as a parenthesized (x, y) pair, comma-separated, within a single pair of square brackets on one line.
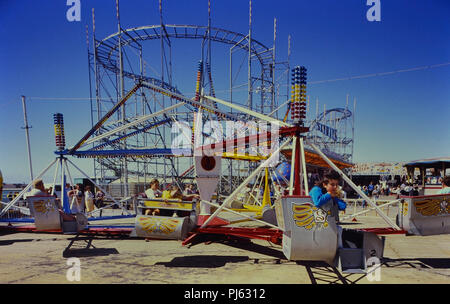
[(175, 220)]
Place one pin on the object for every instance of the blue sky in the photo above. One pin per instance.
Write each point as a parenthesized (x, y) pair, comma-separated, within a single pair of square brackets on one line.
[(399, 117)]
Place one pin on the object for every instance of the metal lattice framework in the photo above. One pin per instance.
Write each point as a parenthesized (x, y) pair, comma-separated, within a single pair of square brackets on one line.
[(107, 50), (118, 64), (332, 131)]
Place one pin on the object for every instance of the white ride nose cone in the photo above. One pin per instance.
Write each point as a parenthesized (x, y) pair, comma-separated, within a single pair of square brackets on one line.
[(207, 172)]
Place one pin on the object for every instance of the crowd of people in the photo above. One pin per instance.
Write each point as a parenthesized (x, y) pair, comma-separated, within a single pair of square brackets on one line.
[(323, 191), (80, 200), (402, 188), (377, 190), (84, 200)]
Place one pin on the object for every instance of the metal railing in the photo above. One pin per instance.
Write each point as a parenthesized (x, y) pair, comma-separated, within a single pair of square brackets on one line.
[(354, 204), (16, 213)]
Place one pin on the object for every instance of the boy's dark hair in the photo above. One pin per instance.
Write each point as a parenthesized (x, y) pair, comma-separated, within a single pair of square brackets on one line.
[(327, 177), (332, 175), (446, 180)]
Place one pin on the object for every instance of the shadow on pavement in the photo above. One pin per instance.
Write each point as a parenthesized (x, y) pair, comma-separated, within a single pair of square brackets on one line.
[(246, 244), (10, 242), (322, 273), (88, 252), (203, 261), (436, 263), (80, 246)]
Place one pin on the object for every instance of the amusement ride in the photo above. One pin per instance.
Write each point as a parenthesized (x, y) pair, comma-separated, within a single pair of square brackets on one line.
[(258, 173)]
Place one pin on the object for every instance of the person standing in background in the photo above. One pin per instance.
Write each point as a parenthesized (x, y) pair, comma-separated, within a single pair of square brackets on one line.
[(445, 185), (89, 199), (99, 197), (77, 198)]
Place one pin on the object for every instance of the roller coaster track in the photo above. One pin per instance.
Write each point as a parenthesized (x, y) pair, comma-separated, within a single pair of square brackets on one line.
[(107, 49), (345, 114)]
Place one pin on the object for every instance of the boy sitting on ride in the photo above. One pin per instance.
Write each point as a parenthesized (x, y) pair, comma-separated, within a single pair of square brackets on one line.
[(327, 191)]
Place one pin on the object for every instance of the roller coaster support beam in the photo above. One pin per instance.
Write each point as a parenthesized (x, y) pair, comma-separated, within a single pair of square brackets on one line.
[(191, 102), (133, 123), (105, 117), (146, 128), (249, 112)]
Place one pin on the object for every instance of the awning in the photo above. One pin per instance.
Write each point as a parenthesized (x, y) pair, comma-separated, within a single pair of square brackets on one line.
[(440, 162), (312, 158)]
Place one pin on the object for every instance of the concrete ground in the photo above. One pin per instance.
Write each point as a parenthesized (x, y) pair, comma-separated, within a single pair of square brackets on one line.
[(38, 258)]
